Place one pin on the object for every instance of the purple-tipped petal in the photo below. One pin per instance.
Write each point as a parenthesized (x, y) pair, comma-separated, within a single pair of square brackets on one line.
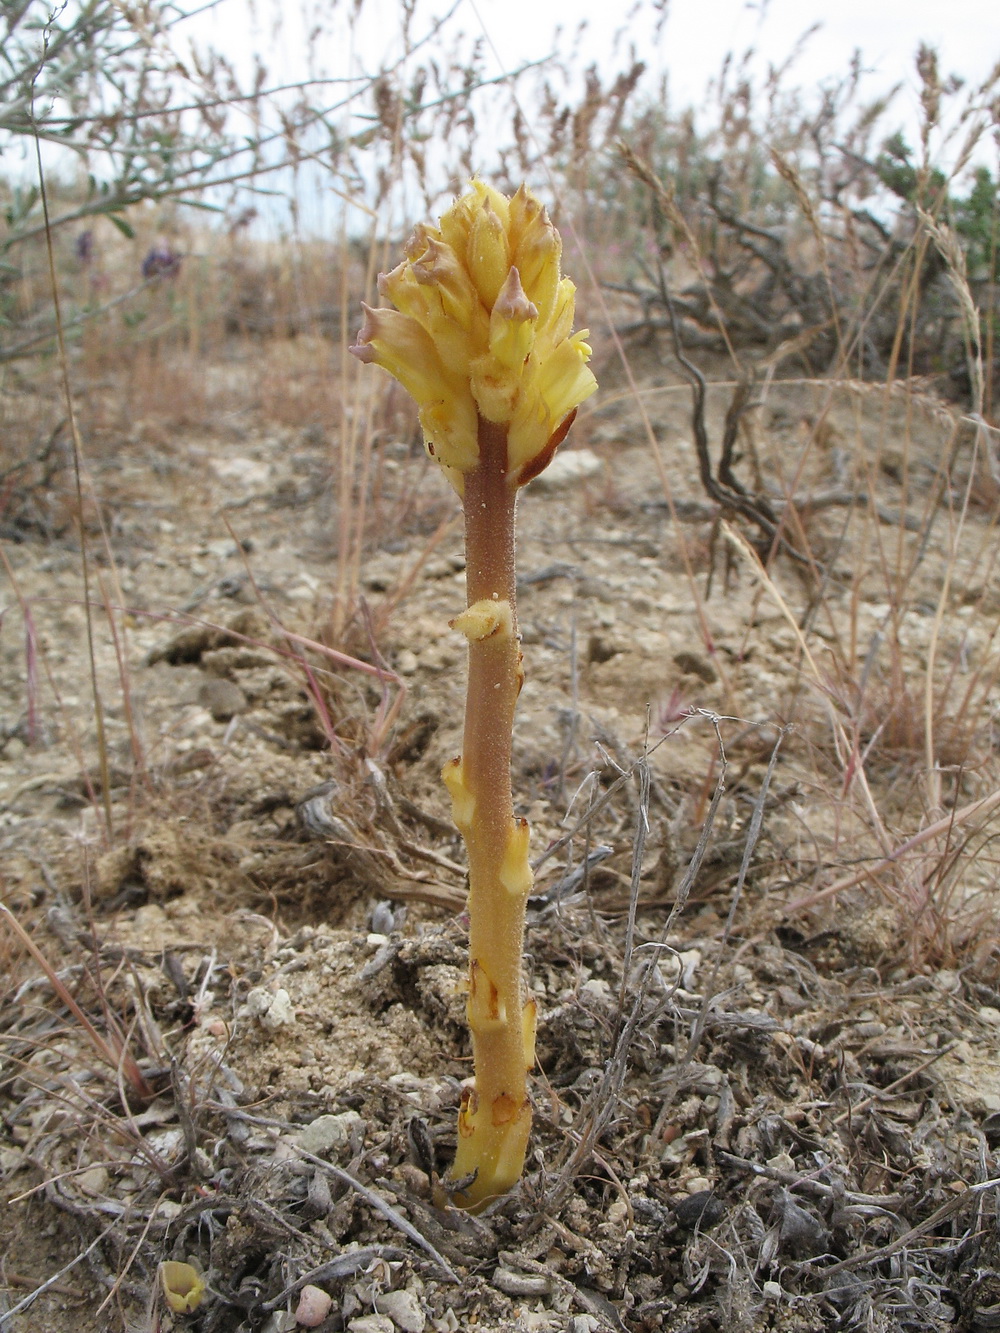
[(361, 347), (512, 301)]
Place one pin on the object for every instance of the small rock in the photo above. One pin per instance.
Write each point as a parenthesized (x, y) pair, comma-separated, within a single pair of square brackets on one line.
[(600, 649), (693, 664), (328, 1131), (272, 1011), (782, 1161), (223, 699), (383, 919), (379, 575), (280, 1322), (700, 1210), (989, 1015), (567, 469), (403, 1309), (13, 749), (113, 868), (371, 1323), (242, 471), (313, 1307), (521, 1284), (93, 1181), (221, 548)]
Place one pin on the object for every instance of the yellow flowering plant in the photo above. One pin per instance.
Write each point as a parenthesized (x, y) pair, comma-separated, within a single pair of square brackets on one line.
[(481, 337)]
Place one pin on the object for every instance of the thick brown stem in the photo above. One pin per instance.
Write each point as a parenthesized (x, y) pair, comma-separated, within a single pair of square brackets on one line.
[(496, 1116)]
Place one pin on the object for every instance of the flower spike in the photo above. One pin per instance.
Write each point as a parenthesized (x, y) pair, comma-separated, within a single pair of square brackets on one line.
[(481, 336)]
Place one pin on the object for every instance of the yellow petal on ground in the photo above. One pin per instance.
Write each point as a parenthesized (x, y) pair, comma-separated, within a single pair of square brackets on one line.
[(183, 1286)]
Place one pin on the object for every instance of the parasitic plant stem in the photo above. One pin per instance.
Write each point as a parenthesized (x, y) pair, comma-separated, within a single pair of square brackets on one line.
[(482, 338), (495, 1116)]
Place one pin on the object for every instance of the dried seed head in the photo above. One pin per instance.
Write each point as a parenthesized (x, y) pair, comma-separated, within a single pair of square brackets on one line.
[(482, 329)]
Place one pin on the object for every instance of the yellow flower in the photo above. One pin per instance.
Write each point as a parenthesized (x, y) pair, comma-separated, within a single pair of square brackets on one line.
[(482, 330)]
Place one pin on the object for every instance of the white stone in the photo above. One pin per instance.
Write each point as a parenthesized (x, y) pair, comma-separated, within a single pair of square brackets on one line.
[(328, 1131), (280, 1014), (567, 469), (243, 471), (371, 1323), (272, 1009), (221, 548), (403, 1309)]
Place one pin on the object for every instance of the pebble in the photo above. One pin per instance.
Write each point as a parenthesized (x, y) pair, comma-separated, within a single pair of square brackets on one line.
[(781, 1161), (221, 548), (242, 471), (223, 699), (313, 1307), (328, 1131), (567, 469), (694, 664), (371, 1323), (403, 1309), (521, 1284), (272, 1011), (93, 1181), (280, 1322), (990, 1015)]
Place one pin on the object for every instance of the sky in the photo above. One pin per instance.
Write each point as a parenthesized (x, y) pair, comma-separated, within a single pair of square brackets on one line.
[(698, 33), (301, 37), (693, 39)]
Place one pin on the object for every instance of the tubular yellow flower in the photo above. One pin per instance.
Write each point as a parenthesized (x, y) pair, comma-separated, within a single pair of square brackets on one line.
[(482, 338), (482, 326)]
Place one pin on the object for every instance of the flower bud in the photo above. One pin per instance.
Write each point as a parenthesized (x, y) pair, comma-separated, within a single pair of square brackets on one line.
[(482, 331)]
